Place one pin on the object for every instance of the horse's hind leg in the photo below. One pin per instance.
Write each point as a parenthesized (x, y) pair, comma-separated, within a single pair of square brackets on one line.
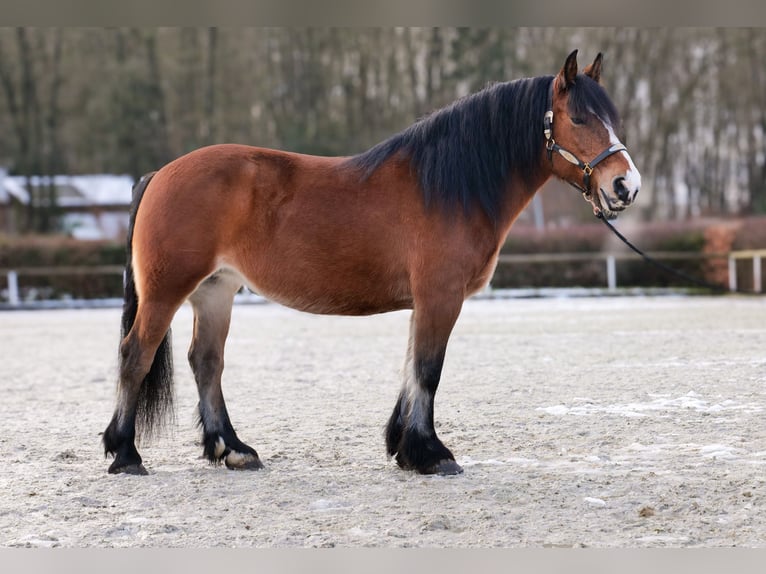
[(212, 303), (145, 385), (410, 433)]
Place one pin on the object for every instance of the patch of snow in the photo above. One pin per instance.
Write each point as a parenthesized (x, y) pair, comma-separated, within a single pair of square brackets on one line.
[(356, 531), (555, 410), (691, 401), (718, 451), (522, 461), (323, 505), (468, 461), (664, 538)]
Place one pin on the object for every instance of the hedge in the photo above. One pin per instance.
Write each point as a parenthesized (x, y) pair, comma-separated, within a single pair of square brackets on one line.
[(53, 251)]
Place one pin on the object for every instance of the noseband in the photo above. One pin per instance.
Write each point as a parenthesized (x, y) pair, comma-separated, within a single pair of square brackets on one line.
[(586, 167)]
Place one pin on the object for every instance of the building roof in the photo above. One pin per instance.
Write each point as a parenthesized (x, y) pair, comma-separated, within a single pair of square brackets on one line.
[(72, 190)]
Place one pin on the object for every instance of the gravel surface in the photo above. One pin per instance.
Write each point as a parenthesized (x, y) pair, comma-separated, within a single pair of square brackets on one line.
[(606, 422)]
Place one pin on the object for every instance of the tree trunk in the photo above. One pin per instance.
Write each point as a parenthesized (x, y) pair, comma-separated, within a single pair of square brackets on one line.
[(209, 129)]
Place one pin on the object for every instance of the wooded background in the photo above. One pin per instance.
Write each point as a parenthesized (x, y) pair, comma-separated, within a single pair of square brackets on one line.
[(128, 100)]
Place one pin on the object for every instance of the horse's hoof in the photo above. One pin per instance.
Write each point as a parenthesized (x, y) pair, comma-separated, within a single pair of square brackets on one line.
[(242, 461), (445, 468), (136, 469)]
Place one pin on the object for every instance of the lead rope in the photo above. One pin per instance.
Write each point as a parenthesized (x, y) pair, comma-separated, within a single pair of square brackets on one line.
[(671, 270)]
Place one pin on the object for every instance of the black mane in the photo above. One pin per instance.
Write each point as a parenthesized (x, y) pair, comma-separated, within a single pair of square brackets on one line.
[(465, 153)]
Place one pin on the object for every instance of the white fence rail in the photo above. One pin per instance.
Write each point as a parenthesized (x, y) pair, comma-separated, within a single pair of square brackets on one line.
[(13, 293), (611, 259), (14, 299), (753, 254)]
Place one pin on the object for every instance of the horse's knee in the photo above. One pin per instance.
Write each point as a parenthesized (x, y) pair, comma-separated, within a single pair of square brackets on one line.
[(206, 351), (205, 363), (134, 363)]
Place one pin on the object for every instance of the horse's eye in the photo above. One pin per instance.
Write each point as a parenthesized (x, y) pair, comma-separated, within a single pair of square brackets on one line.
[(577, 121)]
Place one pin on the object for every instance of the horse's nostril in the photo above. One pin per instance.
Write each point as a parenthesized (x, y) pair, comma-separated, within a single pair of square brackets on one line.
[(620, 190)]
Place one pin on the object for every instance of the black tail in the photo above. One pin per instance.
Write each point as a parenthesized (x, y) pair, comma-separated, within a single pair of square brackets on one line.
[(155, 399)]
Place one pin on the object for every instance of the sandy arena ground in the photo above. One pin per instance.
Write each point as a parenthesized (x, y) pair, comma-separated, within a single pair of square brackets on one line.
[(626, 422)]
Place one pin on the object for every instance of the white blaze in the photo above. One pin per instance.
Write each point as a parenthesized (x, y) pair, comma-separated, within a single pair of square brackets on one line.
[(632, 176)]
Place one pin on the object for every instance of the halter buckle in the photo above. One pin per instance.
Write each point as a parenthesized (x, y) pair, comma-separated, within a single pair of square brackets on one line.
[(587, 169), (547, 124), (550, 144)]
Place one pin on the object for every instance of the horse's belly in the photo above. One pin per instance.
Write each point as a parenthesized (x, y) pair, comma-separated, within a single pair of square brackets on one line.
[(330, 291), (339, 303)]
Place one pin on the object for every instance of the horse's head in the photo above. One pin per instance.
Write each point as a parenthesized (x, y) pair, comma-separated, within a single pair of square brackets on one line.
[(581, 142)]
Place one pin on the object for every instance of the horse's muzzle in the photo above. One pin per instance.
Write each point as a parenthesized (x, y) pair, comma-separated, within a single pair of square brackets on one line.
[(623, 193)]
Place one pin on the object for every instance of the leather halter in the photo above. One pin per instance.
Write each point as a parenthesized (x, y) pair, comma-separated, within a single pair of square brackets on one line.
[(586, 167)]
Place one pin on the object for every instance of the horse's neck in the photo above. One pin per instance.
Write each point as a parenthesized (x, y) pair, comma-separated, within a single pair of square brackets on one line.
[(518, 194)]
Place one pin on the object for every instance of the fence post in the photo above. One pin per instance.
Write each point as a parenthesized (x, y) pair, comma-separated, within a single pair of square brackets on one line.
[(611, 273), (732, 273), (757, 273), (13, 288)]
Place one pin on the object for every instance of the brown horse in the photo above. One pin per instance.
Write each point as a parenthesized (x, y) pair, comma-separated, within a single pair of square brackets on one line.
[(415, 222)]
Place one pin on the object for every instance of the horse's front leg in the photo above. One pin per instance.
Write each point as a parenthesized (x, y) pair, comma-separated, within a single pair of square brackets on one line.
[(212, 303), (410, 433)]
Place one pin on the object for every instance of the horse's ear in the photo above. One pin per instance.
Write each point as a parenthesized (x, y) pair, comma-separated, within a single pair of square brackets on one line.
[(594, 70), (568, 73)]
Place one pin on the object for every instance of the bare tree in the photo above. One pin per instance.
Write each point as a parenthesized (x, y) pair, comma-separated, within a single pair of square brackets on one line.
[(693, 101)]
